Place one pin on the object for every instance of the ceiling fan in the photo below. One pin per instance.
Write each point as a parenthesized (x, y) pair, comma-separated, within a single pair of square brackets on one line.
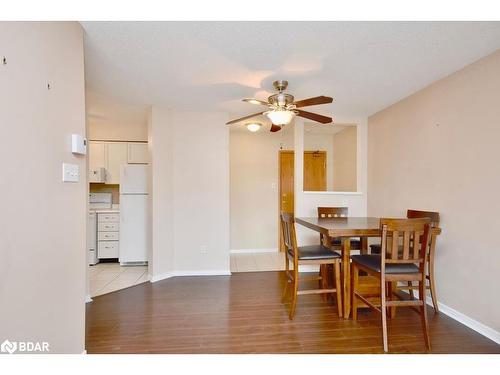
[(282, 108)]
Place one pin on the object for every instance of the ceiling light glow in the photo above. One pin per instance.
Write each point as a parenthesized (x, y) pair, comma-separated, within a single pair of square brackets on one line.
[(253, 127)]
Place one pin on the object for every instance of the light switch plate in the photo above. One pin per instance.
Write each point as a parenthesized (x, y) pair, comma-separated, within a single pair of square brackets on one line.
[(71, 172)]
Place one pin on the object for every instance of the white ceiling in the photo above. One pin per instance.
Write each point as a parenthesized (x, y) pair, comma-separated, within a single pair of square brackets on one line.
[(365, 66)]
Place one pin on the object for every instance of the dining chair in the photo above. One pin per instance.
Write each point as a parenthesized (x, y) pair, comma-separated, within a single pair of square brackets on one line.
[(336, 242), (312, 255), (429, 275), (327, 212), (392, 266)]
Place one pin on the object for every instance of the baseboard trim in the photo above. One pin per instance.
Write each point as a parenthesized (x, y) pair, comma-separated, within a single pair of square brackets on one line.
[(468, 321), (168, 275), (88, 298), (308, 268), (253, 251), (465, 320)]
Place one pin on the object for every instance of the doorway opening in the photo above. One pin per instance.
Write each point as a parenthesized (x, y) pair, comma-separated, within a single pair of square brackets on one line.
[(118, 201)]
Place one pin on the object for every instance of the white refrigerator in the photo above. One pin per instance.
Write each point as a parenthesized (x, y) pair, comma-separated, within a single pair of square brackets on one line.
[(134, 215)]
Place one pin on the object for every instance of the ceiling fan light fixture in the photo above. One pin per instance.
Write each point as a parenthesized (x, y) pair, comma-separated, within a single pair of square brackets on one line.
[(280, 117), (253, 126)]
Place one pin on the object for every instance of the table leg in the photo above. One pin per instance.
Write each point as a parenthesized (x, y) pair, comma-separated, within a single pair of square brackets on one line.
[(346, 275), (364, 245)]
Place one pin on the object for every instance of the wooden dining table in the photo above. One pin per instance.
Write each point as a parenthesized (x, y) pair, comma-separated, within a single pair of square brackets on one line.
[(346, 228)]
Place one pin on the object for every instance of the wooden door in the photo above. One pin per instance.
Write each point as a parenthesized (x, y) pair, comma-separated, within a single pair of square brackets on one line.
[(314, 171), (286, 188)]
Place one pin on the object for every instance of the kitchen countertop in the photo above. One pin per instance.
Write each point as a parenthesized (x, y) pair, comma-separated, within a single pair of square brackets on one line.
[(105, 210)]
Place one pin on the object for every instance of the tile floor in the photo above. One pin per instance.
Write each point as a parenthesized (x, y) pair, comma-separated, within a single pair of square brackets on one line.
[(108, 277)]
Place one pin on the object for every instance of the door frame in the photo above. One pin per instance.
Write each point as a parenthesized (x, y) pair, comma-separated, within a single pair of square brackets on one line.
[(280, 234)]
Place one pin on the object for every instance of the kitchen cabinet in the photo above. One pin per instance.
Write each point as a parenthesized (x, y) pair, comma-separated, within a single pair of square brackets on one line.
[(97, 155), (137, 153), (116, 155), (112, 155), (108, 237)]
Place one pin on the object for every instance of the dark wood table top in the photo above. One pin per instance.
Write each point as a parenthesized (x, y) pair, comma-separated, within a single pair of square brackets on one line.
[(343, 226), (346, 226)]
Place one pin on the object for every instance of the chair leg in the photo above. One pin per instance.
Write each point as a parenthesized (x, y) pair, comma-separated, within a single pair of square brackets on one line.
[(412, 295), (432, 285), (323, 268), (287, 272), (392, 292), (383, 309), (338, 288), (423, 312), (294, 296), (354, 288)]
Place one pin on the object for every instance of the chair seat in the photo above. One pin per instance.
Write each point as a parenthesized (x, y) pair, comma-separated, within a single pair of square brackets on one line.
[(375, 249), (373, 262), (315, 252), (355, 244)]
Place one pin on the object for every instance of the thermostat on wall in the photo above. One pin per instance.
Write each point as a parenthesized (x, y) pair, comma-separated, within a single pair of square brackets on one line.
[(78, 144)]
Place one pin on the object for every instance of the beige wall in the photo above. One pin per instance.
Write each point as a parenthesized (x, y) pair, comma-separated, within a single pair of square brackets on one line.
[(112, 120), (344, 160), (254, 187), (438, 150), (190, 190), (42, 241)]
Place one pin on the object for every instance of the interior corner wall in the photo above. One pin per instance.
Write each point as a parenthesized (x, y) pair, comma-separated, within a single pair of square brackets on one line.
[(42, 242), (160, 144), (254, 187), (190, 191)]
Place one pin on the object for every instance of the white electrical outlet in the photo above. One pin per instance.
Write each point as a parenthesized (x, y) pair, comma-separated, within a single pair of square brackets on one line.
[(71, 172), (203, 249)]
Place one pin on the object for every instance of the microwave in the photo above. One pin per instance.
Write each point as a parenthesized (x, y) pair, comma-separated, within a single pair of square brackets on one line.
[(97, 175)]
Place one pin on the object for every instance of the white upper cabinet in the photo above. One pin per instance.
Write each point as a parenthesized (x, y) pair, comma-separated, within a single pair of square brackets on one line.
[(97, 155), (112, 155), (138, 153), (116, 156)]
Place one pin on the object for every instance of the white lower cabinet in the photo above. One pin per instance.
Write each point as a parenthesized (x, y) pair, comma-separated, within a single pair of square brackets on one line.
[(108, 235), (108, 249)]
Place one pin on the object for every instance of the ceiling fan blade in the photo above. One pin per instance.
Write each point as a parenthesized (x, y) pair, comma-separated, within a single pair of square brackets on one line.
[(313, 101), (314, 116), (255, 101), (244, 118), (275, 128)]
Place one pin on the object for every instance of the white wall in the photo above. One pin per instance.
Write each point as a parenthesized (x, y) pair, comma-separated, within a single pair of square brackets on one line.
[(42, 241), (438, 150), (162, 196), (306, 203), (112, 120), (254, 186), (190, 191)]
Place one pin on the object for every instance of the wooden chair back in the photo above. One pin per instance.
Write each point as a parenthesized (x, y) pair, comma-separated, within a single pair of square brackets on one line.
[(289, 236), (332, 212), (416, 214), (414, 235)]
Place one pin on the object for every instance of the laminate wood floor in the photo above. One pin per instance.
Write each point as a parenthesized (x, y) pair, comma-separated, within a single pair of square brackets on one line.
[(243, 313)]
